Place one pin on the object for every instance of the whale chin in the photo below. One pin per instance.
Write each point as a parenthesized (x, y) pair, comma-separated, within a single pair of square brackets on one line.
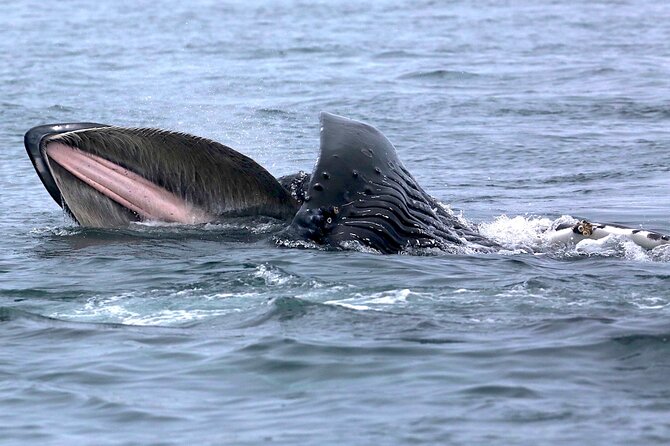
[(359, 191)]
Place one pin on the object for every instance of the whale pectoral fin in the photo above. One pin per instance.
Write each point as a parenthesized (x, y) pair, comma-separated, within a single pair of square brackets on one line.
[(110, 176), (360, 192)]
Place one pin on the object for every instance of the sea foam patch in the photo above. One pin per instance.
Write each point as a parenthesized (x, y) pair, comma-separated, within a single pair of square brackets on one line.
[(154, 307), (562, 238), (377, 301)]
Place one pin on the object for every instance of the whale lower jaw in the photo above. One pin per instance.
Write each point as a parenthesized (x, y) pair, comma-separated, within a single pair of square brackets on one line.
[(106, 176), (102, 194)]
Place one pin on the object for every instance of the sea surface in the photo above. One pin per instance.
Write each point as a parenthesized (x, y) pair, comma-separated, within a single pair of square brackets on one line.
[(516, 113)]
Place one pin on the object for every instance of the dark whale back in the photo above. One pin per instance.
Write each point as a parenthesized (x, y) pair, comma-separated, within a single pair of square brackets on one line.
[(361, 193)]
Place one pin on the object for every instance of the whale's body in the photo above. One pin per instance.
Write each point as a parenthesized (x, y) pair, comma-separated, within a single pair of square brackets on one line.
[(359, 193)]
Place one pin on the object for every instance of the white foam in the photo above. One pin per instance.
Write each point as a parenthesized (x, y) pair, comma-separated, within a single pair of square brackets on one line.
[(271, 276), (516, 234), (633, 251), (171, 317), (458, 216), (651, 303), (660, 253), (343, 303), (355, 245), (263, 228), (613, 246), (529, 234), (154, 307), (96, 308), (375, 300), (392, 297), (605, 246), (157, 224), (57, 231)]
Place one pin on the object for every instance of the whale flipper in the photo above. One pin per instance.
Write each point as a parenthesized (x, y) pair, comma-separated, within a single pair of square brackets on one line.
[(108, 176), (360, 192)]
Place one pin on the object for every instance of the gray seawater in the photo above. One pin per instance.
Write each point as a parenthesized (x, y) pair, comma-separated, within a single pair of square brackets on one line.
[(515, 113)]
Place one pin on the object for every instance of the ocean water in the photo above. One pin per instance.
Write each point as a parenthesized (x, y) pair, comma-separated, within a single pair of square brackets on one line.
[(516, 114)]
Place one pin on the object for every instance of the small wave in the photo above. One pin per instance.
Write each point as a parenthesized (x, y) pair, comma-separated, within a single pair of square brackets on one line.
[(60, 108), (172, 317), (630, 109), (651, 303), (439, 75), (498, 391), (272, 112), (395, 54), (57, 231), (584, 178), (272, 276), (459, 216), (242, 229), (376, 301), (528, 111), (9, 314), (662, 339), (578, 326), (621, 108), (203, 301), (431, 340), (282, 309), (307, 49), (155, 307)]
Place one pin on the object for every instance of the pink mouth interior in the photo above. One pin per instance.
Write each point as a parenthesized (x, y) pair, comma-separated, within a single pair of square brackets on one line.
[(127, 188)]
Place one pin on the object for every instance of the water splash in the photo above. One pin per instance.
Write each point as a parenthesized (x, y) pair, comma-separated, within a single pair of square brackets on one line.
[(530, 234)]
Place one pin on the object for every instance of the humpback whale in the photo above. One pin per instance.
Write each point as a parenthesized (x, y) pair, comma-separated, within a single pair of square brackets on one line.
[(358, 195)]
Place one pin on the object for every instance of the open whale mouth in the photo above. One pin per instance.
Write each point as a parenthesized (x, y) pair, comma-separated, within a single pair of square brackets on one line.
[(98, 192), (111, 180), (128, 189)]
